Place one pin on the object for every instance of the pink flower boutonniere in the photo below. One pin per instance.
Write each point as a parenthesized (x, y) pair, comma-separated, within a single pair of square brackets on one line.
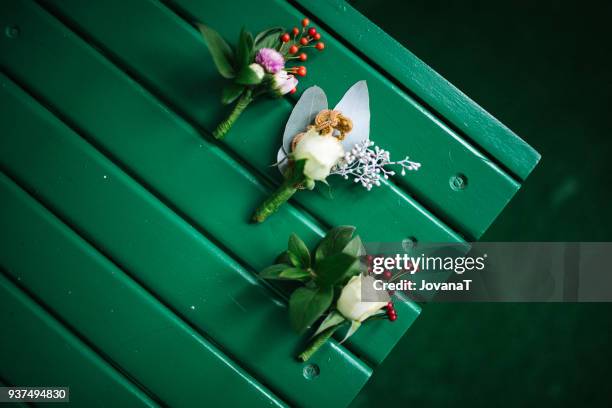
[(258, 65)]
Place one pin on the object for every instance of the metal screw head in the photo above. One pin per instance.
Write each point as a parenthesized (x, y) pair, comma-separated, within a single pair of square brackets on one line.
[(12, 31), (458, 182), (311, 371), (409, 243)]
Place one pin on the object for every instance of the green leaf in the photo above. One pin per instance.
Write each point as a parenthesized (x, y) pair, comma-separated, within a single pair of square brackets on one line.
[(286, 272), (283, 258), (231, 92), (332, 319), (334, 242), (295, 260), (271, 272), (297, 248), (221, 52), (295, 173), (334, 268), (306, 305), (247, 76), (354, 326), (355, 247), (295, 274), (268, 38), (244, 53)]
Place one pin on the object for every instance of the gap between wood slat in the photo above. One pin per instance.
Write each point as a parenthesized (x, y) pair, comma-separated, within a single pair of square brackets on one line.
[(128, 275), (184, 217), (66, 326), (144, 85)]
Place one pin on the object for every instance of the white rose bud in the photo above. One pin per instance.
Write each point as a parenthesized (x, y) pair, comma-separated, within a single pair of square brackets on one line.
[(258, 70), (283, 83), (321, 154), (350, 304)]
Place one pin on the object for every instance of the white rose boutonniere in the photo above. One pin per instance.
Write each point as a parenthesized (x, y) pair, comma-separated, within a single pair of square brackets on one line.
[(319, 142), (331, 281)]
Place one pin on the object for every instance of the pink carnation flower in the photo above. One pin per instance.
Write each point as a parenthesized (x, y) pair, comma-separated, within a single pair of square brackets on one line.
[(270, 59)]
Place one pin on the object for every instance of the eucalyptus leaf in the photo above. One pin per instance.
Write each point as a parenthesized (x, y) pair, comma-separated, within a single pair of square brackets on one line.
[(334, 242), (312, 101), (306, 305), (221, 52), (355, 104), (268, 38), (231, 92), (244, 53), (334, 268), (247, 76), (298, 248), (284, 272)]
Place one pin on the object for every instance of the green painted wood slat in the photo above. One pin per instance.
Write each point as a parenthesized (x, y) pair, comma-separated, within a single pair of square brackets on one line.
[(199, 281), (36, 350), (156, 140), (456, 107), (165, 150), (128, 325)]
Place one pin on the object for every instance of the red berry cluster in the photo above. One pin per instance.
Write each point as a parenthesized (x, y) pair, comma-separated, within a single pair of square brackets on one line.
[(297, 40), (391, 313)]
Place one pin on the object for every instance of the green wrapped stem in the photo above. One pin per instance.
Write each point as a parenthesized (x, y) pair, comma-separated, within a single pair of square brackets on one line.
[(226, 125), (271, 205), (317, 342)]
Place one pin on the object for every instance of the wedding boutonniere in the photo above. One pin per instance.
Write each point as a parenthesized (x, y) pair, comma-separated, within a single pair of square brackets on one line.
[(331, 287), (319, 142), (258, 66)]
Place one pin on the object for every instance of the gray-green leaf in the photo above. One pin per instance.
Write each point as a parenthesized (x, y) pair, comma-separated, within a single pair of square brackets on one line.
[(299, 250), (221, 52), (306, 305), (334, 242)]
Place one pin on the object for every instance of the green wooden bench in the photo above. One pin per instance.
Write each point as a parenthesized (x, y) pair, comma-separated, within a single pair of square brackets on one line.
[(127, 265)]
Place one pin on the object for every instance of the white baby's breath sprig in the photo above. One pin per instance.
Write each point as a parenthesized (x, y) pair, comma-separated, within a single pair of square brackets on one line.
[(367, 164)]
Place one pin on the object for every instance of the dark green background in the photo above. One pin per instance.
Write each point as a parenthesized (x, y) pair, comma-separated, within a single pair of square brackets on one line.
[(543, 68)]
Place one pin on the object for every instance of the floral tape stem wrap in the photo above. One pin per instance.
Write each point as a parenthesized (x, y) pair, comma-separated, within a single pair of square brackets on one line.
[(258, 66)]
